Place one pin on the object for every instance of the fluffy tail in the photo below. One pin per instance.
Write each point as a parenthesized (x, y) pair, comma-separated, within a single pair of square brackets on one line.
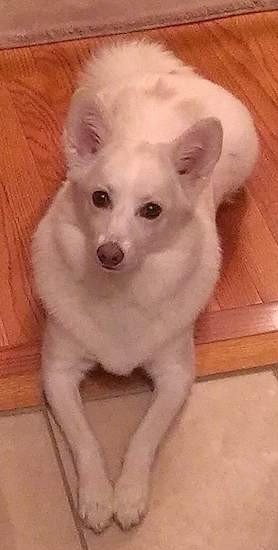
[(124, 60)]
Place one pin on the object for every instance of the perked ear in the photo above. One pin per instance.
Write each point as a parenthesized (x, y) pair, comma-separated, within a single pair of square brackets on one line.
[(86, 128), (198, 149)]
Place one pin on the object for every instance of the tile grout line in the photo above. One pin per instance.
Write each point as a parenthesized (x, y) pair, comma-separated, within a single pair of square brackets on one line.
[(66, 485)]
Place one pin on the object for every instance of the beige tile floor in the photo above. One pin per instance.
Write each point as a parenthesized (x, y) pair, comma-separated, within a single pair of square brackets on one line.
[(215, 483)]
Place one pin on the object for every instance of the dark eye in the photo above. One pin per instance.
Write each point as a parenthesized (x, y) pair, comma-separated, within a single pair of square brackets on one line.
[(151, 210), (101, 199)]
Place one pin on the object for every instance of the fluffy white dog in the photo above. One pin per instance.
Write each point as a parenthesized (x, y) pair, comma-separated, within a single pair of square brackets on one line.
[(128, 253)]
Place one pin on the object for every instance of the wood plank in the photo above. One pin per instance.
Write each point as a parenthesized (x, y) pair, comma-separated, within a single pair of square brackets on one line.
[(41, 123), (250, 251), (237, 354), (235, 287), (20, 194), (20, 359), (16, 63), (264, 189), (237, 323), (20, 390)]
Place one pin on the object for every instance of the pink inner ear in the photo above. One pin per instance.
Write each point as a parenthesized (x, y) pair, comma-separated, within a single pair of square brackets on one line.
[(187, 161), (198, 149), (92, 140), (185, 166), (89, 138), (86, 129)]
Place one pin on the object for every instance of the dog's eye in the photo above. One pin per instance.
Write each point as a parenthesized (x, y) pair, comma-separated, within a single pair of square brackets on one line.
[(101, 199), (151, 210)]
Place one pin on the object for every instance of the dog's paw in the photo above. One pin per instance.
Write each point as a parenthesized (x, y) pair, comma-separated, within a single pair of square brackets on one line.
[(95, 502), (130, 501)]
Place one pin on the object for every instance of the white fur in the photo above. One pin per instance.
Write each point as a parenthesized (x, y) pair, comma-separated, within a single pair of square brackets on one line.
[(145, 127)]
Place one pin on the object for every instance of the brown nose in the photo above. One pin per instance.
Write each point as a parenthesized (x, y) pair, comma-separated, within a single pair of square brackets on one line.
[(110, 254)]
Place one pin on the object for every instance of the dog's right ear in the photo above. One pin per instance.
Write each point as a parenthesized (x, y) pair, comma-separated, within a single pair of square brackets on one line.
[(86, 128)]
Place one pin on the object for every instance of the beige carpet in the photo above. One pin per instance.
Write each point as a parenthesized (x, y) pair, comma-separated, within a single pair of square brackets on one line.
[(25, 22)]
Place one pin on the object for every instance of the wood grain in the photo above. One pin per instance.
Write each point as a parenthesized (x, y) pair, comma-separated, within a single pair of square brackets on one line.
[(237, 354), (239, 328), (240, 322)]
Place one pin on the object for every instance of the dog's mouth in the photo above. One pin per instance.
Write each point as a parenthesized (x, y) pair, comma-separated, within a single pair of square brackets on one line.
[(110, 268)]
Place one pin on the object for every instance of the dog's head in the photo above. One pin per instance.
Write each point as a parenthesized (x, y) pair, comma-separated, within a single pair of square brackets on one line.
[(133, 198)]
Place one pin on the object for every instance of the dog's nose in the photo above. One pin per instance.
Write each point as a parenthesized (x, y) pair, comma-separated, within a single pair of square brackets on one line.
[(110, 254)]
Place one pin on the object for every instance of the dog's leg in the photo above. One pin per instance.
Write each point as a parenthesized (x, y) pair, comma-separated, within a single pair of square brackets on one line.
[(63, 370), (172, 372)]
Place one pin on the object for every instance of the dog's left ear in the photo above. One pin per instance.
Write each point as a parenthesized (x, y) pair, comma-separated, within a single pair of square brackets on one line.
[(198, 149), (86, 128)]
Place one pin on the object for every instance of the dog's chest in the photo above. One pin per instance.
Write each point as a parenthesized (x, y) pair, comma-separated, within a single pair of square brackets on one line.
[(121, 335), (124, 332)]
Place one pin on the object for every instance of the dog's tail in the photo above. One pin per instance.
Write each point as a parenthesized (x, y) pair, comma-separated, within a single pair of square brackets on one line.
[(127, 59)]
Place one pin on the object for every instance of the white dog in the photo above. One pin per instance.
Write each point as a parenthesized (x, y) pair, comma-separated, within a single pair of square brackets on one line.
[(128, 253)]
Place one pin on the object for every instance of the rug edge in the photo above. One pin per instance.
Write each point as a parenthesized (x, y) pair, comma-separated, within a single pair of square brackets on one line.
[(82, 30)]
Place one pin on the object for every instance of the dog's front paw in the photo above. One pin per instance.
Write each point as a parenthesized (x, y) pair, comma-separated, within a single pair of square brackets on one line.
[(130, 501), (95, 502)]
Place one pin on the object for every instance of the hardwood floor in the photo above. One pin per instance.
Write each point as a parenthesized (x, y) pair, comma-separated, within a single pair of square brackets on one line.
[(240, 327)]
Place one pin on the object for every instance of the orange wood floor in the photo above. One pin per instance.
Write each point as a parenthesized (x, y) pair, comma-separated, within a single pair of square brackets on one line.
[(240, 328)]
